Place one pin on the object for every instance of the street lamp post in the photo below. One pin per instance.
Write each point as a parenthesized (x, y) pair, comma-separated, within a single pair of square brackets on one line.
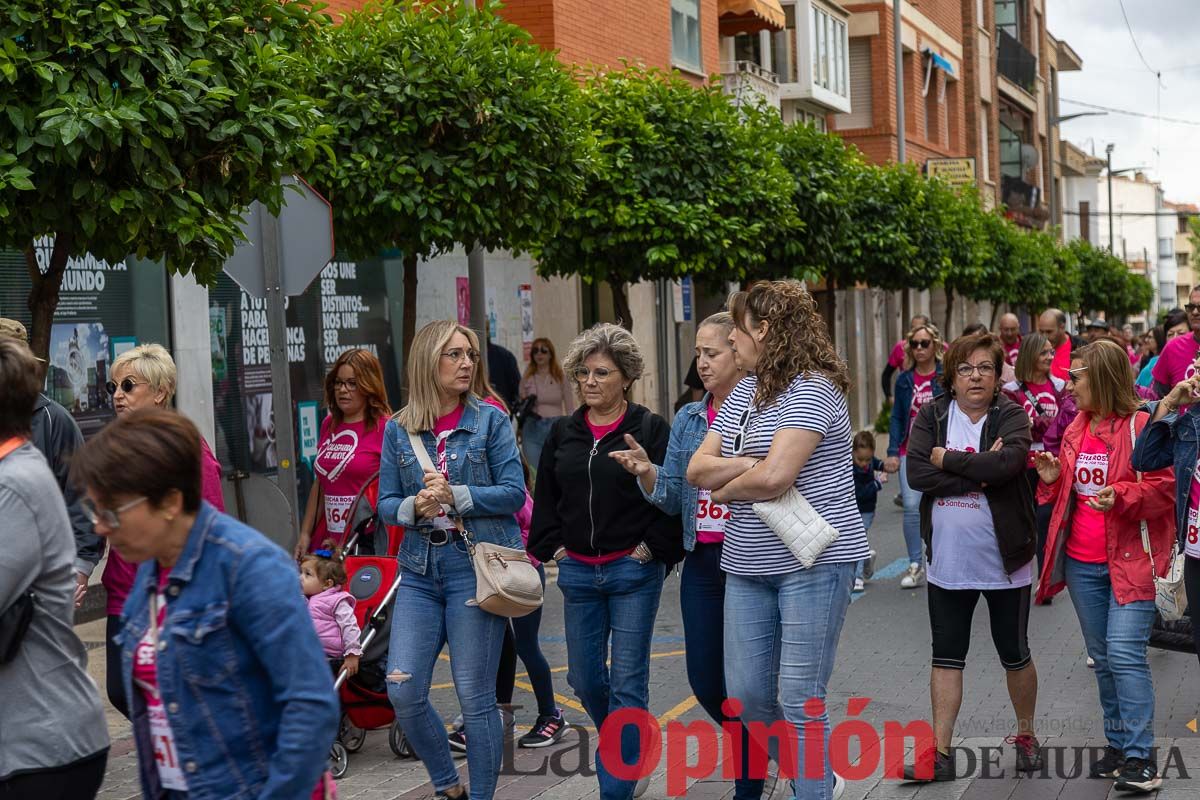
[(901, 155), (1108, 158)]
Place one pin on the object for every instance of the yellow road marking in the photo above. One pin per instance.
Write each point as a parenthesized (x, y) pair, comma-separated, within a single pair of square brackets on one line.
[(562, 700), (570, 704), (679, 710)]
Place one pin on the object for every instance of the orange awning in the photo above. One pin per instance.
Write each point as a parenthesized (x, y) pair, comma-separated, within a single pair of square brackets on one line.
[(749, 16)]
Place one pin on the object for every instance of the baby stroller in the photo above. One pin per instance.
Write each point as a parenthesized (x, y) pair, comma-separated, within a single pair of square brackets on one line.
[(373, 581)]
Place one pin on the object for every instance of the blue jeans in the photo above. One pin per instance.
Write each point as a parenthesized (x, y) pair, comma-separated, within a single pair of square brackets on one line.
[(781, 636), (912, 517), (533, 439), (1116, 637), (430, 611), (618, 601), (868, 517), (529, 650), (702, 601)]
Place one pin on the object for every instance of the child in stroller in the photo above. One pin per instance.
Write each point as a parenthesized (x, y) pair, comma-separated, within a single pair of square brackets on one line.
[(331, 607)]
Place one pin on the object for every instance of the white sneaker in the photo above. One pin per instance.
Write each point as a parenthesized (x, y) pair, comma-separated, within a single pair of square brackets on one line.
[(914, 577), (642, 785), (869, 567), (859, 586), (1091, 662), (839, 786)]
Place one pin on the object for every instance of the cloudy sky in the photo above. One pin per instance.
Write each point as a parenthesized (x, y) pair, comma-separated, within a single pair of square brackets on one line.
[(1114, 76)]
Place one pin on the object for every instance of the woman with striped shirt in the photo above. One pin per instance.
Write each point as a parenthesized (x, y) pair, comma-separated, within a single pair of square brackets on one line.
[(787, 425)]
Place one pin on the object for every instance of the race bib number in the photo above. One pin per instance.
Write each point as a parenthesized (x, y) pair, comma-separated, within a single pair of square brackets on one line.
[(165, 757), (337, 512), (710, 516), (1191, 544), (1091, 474)]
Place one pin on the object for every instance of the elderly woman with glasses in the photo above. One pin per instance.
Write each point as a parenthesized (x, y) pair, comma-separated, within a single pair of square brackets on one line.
[(920, 383), (967, 455), (229, 691), (472, 493), (143, 377), (613, 547)]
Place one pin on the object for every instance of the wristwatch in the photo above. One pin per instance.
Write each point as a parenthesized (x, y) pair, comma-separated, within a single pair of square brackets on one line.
[(642, 554), (559, 553)]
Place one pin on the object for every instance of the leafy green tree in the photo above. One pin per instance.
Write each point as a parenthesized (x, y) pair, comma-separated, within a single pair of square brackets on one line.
[(1107, 285), (145, 126), (452, 128), (1027, 268), (684, 183), (1194, 238)]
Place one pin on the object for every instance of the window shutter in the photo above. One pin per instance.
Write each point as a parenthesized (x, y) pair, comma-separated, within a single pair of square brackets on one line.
[(861, 108)]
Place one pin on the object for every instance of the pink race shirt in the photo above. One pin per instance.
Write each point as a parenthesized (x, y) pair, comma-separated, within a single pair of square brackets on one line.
[(1175, 363), (1062, 360), (922, 394), (710, 516), (600, 431), (441, 431), (1011, 351), (145, 680), (896, 357), (1088, 541), (347, 457), (1191, 543)]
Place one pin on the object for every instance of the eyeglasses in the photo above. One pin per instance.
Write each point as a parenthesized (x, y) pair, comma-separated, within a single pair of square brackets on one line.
[(539, 350), (458, 354), (599, 373), (985, 370), (920, 344), (350, 385), (1074, 373), (110, 517), (739, 438), (1192, 308), (125, 386)]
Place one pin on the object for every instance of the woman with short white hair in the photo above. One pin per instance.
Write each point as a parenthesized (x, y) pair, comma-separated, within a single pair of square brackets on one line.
[(142, 377)]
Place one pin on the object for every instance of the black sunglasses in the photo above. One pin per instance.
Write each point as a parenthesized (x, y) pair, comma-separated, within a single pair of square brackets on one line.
[(540, 350), (126, 386), (1192, 308), (920, 344), (739, 438)]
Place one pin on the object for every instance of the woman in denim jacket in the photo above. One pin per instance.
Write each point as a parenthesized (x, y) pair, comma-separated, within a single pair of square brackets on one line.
[(1173, 439), (229, 692), (702, 588), (478, 486)]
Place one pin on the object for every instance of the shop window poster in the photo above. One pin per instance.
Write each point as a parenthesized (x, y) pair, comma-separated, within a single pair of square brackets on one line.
[(78, 371)]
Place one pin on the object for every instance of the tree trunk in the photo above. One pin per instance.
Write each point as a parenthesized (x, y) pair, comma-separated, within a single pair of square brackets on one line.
[(43, 297), (620, 296), (410, 319), (949, 313), (995, 313), (830, 310)]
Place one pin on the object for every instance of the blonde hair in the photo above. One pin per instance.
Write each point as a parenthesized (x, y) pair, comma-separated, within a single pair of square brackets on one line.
[(721, 319), (153, 363), (482, 388), (1109, 377), (939, 350), (424, 359)]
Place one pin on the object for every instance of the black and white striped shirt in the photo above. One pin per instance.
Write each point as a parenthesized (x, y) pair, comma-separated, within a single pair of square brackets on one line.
[(810, 403)]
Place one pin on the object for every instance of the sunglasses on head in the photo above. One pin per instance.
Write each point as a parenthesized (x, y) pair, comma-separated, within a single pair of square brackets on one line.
[(920, 344), (125, 386)]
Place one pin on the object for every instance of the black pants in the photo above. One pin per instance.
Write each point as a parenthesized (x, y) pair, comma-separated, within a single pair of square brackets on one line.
[(506, 673), (529, 650), (1191, 582), (1042, 514), (112, 661), (78, 781), (950, 613)]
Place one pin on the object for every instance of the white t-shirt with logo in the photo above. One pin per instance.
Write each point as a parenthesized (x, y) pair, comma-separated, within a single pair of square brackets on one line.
[(966, 554)]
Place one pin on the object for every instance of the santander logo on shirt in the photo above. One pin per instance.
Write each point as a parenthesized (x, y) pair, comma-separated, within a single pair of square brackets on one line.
[(970, 500)]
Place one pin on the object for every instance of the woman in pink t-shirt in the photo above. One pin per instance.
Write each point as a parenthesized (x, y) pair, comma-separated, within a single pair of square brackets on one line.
[(143, 377), (349, 446)]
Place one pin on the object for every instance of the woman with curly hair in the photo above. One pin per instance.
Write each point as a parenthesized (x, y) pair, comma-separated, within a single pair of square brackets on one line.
[(786, 425)]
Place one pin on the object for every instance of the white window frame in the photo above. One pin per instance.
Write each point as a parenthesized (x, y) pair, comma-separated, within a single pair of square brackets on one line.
[(688, 11)]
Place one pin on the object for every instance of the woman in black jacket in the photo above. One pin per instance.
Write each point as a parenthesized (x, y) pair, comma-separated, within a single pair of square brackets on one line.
[(966, 453), (613, 548)]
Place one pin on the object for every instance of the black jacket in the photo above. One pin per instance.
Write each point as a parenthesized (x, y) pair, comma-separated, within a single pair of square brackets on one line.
[(866, 487), (999, 475), (505, 375), (57, 436), (585, 501)]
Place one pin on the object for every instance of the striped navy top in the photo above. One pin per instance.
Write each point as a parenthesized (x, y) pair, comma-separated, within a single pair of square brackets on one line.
[(810, 403)]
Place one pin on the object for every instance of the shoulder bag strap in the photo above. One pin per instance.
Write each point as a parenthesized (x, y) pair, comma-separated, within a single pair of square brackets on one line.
[(422, 454), (1145, 529), (1029, 396), (10, 445)]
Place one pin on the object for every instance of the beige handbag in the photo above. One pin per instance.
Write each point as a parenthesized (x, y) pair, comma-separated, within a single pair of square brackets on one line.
[(506, 582), (1170, 597)]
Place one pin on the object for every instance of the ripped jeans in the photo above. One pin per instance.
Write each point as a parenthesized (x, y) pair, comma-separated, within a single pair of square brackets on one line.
[(430, 611)]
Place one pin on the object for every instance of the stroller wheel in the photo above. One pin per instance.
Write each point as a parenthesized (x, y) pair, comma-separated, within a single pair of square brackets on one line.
[(339, 760), (350, 735), (399, 742)]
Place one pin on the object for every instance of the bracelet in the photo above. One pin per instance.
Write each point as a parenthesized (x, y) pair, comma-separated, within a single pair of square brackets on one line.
[(559, 553)]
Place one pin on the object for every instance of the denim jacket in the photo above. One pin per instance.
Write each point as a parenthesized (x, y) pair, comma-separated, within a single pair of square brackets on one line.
[(1172, 441), (672, 493), (485, 477), (247, 690), (898, 429)]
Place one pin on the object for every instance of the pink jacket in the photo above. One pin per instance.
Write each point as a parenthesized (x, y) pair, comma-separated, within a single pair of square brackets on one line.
[(524, 520), (332, 613)]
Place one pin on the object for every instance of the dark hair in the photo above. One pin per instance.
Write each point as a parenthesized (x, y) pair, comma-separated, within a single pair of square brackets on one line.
[(962, 348), (975, 328), (19, 377), (327, 569), (1159, 333), (150, 452), (863, 439)]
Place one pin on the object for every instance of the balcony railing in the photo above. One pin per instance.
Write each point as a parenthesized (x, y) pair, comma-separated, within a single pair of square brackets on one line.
[(747, 82), (1015, 62)]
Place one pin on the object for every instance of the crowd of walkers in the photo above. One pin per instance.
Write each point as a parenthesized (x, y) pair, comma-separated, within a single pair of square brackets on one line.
[(1027, 463)]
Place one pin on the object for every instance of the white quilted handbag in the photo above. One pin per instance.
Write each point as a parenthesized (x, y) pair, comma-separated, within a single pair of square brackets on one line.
[(798, 525)]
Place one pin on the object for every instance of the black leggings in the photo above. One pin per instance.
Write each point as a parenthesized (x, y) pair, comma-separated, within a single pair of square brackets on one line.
[(78, 781), (1042, 514), (1191, 581), (950, 613), (506, 673), (521, 639), (112, 665)]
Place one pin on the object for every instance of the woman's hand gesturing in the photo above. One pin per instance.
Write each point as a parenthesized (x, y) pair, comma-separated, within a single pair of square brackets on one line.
[(634, 460), (1049, 468)]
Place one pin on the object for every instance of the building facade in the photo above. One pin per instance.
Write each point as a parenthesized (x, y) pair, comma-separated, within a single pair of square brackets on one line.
[(1185, 249)]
